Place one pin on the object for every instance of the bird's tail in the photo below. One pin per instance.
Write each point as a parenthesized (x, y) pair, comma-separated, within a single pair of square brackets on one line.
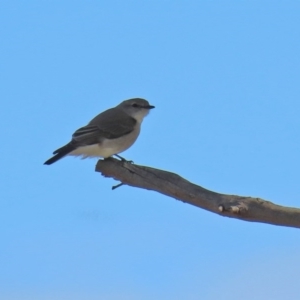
[(60, 153)]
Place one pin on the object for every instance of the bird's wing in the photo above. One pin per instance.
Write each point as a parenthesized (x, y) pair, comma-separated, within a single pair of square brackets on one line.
[(110, 124)]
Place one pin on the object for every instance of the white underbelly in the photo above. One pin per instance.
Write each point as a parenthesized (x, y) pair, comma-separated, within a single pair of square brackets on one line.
[(108, 147), (93, 151)]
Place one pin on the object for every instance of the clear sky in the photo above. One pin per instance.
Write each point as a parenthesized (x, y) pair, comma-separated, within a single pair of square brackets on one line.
[(225, 79)]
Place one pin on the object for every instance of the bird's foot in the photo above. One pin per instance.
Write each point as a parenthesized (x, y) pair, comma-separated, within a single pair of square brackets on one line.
[(123, 159)]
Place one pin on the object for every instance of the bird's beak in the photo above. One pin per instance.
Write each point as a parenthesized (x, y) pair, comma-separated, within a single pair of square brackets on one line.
[(149, 106)]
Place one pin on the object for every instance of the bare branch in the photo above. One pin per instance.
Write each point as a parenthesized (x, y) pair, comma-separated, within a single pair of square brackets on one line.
[(170, 184)]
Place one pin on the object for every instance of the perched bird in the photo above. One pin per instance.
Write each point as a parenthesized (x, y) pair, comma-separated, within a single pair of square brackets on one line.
[(109, 133)]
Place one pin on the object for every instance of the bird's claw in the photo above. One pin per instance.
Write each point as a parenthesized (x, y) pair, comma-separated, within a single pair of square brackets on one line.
[(123, 159)]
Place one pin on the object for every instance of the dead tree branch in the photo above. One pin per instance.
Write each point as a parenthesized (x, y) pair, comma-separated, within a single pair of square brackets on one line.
[(170, 184)]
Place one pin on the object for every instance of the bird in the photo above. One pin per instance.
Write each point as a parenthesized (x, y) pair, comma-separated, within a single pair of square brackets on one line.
[(109, 133)]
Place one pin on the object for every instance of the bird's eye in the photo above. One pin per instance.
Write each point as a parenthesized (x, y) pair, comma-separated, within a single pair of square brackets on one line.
[(134, 105)]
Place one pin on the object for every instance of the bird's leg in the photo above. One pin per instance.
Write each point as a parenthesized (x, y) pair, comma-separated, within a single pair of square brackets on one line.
[(120, 157), (123, 159)]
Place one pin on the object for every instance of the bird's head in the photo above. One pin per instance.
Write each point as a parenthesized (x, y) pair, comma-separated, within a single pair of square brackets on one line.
[(137, 108)]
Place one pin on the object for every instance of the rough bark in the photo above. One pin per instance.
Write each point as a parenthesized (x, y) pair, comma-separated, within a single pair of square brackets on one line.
[(170, 184)]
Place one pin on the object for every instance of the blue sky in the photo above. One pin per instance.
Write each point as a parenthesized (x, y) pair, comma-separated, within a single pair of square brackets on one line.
[(224, 77)]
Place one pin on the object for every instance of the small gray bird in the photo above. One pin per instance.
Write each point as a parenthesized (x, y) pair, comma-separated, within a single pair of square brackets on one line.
[(109, 133)]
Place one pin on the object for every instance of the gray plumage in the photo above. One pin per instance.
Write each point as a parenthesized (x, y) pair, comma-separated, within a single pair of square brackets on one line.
[(109, 133)]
